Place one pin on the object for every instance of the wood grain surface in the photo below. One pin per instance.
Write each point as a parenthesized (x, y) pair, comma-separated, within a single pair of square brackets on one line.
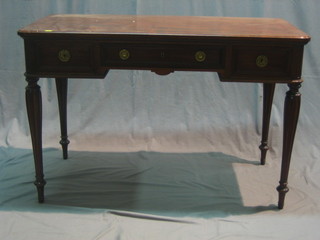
[(166, 25)]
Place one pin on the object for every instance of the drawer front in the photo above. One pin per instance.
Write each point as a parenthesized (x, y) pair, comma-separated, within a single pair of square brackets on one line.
[(261, 62), (163, 56), (64, 57)]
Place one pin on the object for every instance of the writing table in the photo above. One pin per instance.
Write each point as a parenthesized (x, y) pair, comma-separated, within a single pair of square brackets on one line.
[(257, 50)]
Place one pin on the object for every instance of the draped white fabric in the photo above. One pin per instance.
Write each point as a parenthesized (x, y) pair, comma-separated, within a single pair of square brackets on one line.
[(157, 157)]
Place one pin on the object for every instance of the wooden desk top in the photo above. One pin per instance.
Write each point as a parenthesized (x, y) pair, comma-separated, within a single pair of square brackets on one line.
[(217, 27)]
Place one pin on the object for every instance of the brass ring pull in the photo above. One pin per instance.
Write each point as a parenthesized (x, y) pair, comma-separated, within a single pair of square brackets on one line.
[(262, 61), (124, 54), (200, 56), (64, 55)]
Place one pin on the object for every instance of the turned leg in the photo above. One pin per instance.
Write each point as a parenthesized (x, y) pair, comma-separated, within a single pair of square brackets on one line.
[(291, 115), (34, 110), (268, 91), (62, 89)]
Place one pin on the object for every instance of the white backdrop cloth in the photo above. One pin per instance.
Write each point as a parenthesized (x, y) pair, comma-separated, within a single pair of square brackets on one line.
[(157, 157)]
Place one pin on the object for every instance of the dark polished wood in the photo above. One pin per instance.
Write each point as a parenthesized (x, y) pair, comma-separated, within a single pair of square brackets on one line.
[(291, 115), (268, 92), (258, 50), (34, 110), (184, 26), (62, 89)]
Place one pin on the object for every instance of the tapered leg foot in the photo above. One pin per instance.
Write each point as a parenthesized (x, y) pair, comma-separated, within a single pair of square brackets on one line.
[(291, 115), (282, 189), (64, 144), (62, 89), (268, 92), (34, 110), (40, 183)]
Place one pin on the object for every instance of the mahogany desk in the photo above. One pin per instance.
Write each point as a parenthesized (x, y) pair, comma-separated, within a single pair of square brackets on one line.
[(256, 50)]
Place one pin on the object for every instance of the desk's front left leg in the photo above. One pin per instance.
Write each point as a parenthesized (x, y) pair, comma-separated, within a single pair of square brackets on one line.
[(34, 109), (291, 115)]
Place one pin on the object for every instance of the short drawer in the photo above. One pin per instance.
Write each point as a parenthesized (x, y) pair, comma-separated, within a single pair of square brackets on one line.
[(261, 62), (190, 57), (71, 57)]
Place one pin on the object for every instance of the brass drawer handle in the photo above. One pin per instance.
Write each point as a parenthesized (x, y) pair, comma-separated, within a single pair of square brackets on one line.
[(200, 56), (64, 55), (262, 61), (124, 54)]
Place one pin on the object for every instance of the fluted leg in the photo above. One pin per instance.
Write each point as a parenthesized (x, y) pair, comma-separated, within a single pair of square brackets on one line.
[(62, 89), (291, 115), (268, 91), (34, 110)]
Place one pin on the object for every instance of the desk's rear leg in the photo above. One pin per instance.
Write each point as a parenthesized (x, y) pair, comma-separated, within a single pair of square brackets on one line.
[(62, 90), (291, 115), (268, 92), (34, 110)]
